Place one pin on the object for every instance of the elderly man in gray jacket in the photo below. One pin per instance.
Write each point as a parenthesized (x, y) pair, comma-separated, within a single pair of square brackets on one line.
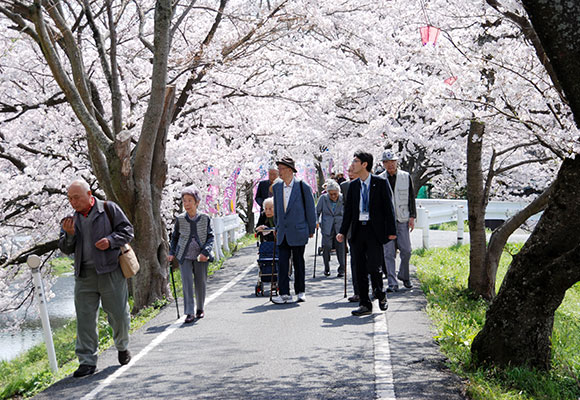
[(403, 195), (94, 234), (331, 207)]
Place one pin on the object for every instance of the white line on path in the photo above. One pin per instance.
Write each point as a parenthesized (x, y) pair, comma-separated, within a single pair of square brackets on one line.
[(384, 382), (155, 342)]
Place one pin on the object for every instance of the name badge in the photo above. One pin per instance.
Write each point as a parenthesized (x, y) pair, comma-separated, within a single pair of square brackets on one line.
[(363, 216)]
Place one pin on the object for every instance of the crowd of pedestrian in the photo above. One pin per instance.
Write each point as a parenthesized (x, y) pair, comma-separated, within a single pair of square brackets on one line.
[(369, 216)]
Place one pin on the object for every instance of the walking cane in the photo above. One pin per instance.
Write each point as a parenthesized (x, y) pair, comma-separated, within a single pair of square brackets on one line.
[(345, 267), (174, 291), (315, 250)]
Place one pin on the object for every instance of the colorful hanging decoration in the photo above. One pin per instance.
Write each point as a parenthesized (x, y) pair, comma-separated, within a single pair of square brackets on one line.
[(429, 34), (211, 199), (450, 81), (230, 192)]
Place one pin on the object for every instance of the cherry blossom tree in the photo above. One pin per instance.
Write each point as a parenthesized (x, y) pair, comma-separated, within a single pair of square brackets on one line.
[(520, 320), (315, 80)]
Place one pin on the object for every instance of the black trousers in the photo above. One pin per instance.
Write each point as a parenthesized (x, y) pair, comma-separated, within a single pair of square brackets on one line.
[(297, 253), (368, 253)]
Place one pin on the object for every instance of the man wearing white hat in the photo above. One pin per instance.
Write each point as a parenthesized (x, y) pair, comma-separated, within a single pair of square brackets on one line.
[(403, 197)]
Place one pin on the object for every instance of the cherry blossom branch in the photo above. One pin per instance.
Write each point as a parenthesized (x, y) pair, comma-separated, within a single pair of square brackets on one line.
[(22, 108), (529, 32)]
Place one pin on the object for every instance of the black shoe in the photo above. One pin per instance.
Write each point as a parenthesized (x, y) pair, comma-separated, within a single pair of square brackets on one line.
[(354, 299), (189, 318), (84, 370), (362, 310), (408, 284), (340, 275), (326, 273), (383, 304), (392, 288), (124, 357)]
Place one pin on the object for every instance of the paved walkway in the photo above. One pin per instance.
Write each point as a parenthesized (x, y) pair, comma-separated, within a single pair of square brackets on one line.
[(248, 348)]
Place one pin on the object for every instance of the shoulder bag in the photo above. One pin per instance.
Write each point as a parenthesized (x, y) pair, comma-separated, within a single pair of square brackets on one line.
[(127, 258)]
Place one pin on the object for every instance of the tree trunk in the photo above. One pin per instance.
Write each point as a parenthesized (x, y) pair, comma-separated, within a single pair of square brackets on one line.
[(519, 321), (249, 195), (319, 173), (150, 241), (500, 236), (479, 280), (556, 23)]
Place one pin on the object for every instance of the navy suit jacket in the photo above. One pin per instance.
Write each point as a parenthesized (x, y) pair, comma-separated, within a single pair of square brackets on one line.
[(263, 192), (382, 217), (298, 222)]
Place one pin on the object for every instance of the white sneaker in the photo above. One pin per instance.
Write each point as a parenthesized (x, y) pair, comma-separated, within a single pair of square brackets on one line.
[(301, 297), (282, 299)]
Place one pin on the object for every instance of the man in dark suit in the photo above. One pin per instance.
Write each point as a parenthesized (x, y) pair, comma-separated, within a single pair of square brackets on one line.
[(369, 213), (265, 187)]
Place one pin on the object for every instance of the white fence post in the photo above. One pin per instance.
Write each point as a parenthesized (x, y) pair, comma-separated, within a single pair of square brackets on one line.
[(423, 222), (460, 228), (34, 262), (226, 242), (225, 233), (218, 228)]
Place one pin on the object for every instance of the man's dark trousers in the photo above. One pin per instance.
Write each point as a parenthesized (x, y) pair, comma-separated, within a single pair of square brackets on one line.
[(297, 253), (368, 252)]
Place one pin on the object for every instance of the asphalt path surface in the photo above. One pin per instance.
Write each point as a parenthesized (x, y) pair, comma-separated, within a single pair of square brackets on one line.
[(249, 348)]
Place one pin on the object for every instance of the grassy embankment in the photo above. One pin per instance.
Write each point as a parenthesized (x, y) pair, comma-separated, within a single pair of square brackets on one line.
[(458, 318), (30, 372)]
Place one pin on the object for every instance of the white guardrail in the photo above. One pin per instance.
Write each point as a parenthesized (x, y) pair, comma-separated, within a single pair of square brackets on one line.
[(434, 211), (226, 230)]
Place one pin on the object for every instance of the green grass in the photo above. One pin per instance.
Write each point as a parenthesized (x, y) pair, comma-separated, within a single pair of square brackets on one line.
[(30, 372), (449, 226), (61, 265), (452, 226), (458, 317)]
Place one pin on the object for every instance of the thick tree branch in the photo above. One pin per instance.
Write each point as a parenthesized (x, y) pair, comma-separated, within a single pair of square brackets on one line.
[(519, 164), (532, 36), (195, 76), (182, 17), (20, 109), (39, 249), (40, 152), (21, 165), (148, 45), (116, 101), (74, 97)]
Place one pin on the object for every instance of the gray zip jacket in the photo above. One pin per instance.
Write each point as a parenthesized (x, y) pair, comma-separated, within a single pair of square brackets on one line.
[(119, 234)]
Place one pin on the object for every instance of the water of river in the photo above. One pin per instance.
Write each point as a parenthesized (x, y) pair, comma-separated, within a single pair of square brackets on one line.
[(60, 310)]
